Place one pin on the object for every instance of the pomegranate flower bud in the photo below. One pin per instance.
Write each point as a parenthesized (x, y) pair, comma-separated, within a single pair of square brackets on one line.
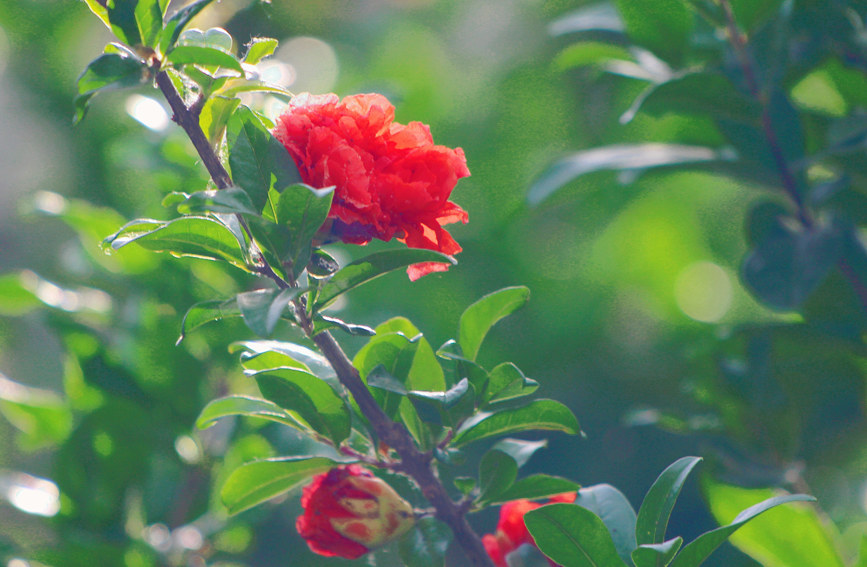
[(348, 512)]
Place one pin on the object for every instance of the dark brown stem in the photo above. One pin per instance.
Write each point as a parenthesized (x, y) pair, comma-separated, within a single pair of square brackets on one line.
[(414, 462), (739, 44)]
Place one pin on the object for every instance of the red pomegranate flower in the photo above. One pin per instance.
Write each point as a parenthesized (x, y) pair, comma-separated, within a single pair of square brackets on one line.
[(348, 512), (512, 533), (390, 180)]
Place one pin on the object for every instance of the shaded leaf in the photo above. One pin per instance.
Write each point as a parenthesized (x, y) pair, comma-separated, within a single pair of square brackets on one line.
[(507, 382), (572, 536), (478, 318), (371, 267), (258, 161), (540, 414), (205, 312), (497, 473), (663, 26), (149, 20), (262, 308), (308, 396), (787, 265), (302, 210), (120, 17), (325, 323), (116, 69), (660, 499), (536, 486), (617, 157), (253, 483), (426, 544), (616, 513), (519, 449)]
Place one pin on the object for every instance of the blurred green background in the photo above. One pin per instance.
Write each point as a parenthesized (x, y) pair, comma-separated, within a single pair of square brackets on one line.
[(636, 317)]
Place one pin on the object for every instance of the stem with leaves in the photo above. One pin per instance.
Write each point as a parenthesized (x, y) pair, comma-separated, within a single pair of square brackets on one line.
[(740, 45), (415, 463)]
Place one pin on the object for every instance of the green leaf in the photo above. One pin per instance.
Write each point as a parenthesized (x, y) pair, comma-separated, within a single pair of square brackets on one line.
[(385, 361), (507, 382), (663, 26), (149, 20), (371, 267), (591, 53), (202, 55), (572, 536), (114, 70), (246, 406), (309, 397), (705, 93), (788, 537), (205, 312), (656, 554), (262, 308), (790, 264), (302, 210), (258, 161), (120, 17), (215, 114), (519, 449), (231, 200), (617, 157), (700, 549), (426, 544), (42, 417), (235, 86), (179, 20), (497, 473), (197, 237), (536, 486), (259, 48), (311, 360), (478, 318), (660, 499), (540, 414), (325, 323), (426, 372), (616, 513), (16, 298), (253, 483)]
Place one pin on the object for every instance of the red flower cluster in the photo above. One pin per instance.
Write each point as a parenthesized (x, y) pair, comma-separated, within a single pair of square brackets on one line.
[(511, 531), (348, 512), (390, 179)]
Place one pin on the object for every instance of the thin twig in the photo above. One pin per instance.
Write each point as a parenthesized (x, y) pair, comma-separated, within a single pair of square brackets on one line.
[(415, 463), (739, 44)]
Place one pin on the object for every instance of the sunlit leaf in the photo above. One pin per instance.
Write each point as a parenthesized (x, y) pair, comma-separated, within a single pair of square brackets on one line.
[(656, 554), (248, 407), (231, 200), (790, 536), (120, 17), (256, 482), (302, 210), (540, 414), (371, 267), (179, 20), (478, 318), (215, 114), (201, 55), (198, 237), (149, 19), (205, 312), (694, 553), (259, 48)]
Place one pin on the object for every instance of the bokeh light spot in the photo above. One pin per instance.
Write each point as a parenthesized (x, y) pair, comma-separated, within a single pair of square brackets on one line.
[(703, 291), (148, 112), (313, 61)]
